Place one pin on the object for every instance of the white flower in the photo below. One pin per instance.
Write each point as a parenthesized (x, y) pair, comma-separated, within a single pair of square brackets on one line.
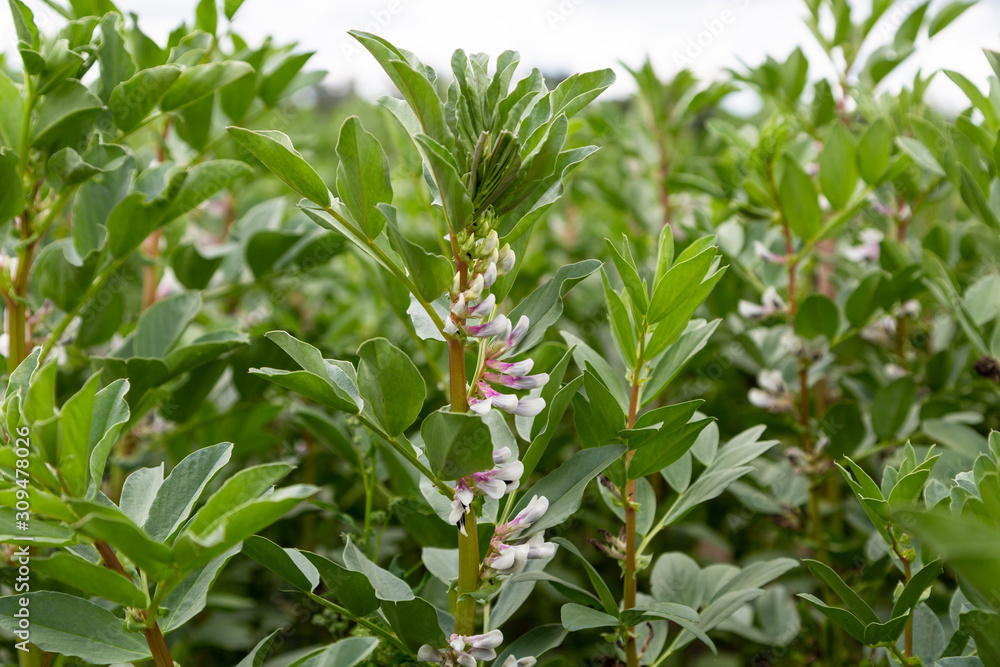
[(868, 250), (511, 661), (771, 304)]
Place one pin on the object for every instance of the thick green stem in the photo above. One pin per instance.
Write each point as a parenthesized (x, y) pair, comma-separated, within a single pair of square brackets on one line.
[(631, 650), (468, 577), (158, 646), (468, 538), (154, 638)]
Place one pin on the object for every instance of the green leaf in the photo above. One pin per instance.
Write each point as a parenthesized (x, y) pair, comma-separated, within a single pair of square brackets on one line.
[(344, 653), (817, 316), (182, 488), (275, 151), (362, 176), (206, 16), (415, 622), (116, 62), (74, 436), (108, 524), (231, 7), (920, 154), (977, 98), (193, 549), (388, 587), (914, 589), (874, 151), (243, 486), (196, 82), (665, 448), (858, 607), (564, 486), (798, 201), (190, 596), (162, 324), (283, 76), (984, 628), (576, 617), (534, 643), (90, 578), (70, 103), (452, 195), (391, 385), (289, 564), (621, 325), (840, 617), (260, 652), (133, 99), (423, 99), (630, 276), (11, 191), (138, 492), (891, 406), (608, 600), (326, 382), (432, 274), (71, 626), (974, 198), (676, 356), (543, 307), (948, 13), (109, 417), (456, 444), (838, 166), (352, 589)]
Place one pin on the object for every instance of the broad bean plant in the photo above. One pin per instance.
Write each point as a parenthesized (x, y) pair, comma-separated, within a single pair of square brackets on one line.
[(495, 371)]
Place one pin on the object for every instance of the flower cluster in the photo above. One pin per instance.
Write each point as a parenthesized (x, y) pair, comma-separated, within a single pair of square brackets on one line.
[(468, 651), (485, 261), (507, 554), (496, 372), (496, 483)]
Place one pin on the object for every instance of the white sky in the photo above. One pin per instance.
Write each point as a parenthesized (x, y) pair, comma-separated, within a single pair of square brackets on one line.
[(574, 35)]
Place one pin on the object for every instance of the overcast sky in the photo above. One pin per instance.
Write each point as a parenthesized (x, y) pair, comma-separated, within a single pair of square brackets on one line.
[(574, 35)]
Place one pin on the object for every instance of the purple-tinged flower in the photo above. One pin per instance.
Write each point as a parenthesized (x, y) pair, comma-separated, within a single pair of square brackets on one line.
[(511, 367), (498, 326), (484, 308), (517, 381), (500, 481)]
